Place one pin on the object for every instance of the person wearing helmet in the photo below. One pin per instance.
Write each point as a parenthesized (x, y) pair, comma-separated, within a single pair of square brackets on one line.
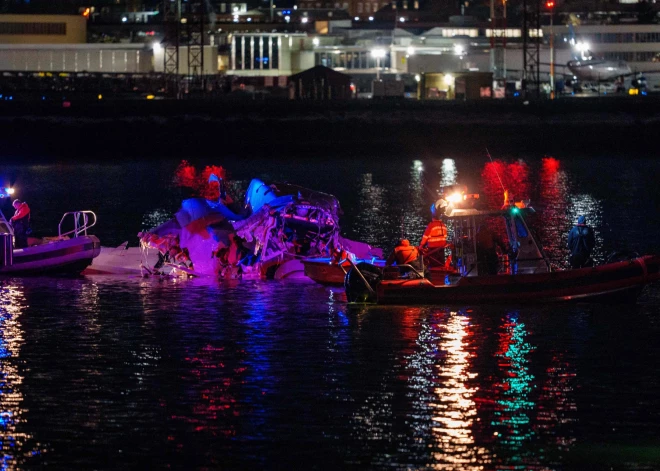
[(435, 235), (404, 254), (434, 240), (20, 221), (581, 242)]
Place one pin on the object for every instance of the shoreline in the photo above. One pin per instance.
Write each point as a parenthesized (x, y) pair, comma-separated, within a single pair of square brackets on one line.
[(162, 128)]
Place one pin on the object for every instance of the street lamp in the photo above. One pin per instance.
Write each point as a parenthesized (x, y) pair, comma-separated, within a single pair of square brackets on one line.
[(378, 54), (551, 6)]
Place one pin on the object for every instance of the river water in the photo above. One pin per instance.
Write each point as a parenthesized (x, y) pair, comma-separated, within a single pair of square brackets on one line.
[(141, 373)]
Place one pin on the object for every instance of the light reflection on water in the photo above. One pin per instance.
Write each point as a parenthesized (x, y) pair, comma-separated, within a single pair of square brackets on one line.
[(196, 374), (14, 440)]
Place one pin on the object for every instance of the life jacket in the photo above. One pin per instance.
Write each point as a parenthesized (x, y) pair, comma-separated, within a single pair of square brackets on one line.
[(22, 211), (338, 255), (405, 253), (435, 235)]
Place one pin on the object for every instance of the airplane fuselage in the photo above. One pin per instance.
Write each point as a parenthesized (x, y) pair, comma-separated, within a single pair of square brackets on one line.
[(597, 70)]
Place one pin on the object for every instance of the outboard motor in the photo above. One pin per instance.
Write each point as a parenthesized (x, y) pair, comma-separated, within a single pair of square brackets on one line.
[(356, 289)]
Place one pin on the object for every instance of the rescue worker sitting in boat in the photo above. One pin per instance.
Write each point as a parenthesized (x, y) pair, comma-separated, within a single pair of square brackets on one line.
[(340, 254), (405, 254)]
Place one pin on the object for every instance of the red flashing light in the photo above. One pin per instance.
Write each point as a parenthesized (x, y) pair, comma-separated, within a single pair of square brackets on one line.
[(550, 4)]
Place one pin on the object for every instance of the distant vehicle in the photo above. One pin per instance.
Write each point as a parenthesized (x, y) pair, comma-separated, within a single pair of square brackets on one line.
[(602, 87)]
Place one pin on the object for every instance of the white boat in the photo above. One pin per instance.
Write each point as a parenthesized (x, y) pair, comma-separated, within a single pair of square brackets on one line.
[(67, 253)]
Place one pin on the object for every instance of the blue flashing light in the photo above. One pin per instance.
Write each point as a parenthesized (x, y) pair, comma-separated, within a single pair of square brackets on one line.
[(11, 97), (644, 92), (43, 97), (516, 94)]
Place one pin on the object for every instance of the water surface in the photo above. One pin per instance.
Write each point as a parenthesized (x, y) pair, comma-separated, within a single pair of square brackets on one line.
[(132, 373)]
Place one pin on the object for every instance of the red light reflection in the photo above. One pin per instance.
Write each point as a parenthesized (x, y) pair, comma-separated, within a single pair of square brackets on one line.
[(553, 206), (187, 176), (513, 177)]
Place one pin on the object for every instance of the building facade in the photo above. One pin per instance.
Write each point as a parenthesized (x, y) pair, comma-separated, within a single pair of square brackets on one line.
[(637, 44), (43, 29)]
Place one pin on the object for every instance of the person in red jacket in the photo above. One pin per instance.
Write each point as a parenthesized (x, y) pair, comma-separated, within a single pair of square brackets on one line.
[(20, 221)]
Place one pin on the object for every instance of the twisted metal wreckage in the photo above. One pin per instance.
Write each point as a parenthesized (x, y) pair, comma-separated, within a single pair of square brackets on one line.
[(267, 236)]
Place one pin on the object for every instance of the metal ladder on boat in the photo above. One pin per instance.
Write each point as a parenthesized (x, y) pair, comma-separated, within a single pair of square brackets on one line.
[(82, 220)]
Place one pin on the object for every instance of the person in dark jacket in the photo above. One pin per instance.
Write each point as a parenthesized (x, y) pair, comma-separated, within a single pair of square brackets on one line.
[(581, 242), (487, 243), (20, 221), (404, 254)]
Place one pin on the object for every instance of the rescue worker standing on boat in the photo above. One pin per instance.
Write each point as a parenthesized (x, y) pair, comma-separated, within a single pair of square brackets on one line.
[(404, 254), (20, 221), (434, 240), (435, 235), (487, 243), (581, 242)]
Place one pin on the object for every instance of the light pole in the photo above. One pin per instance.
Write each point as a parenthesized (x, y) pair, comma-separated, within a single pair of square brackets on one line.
[(378, 54), (551, 5)]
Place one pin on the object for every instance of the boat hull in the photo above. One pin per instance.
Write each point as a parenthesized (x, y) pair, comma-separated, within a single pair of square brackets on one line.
[(331, 274), (323, 272), (70, 256), (613, 282)]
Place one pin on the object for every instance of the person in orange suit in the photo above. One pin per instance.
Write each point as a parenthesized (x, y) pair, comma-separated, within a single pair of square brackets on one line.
[(404, 254)]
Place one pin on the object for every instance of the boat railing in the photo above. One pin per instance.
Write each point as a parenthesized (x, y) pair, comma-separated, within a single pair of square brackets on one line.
[(5, 227), (82, 221), (341, 264), (401, 270)]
